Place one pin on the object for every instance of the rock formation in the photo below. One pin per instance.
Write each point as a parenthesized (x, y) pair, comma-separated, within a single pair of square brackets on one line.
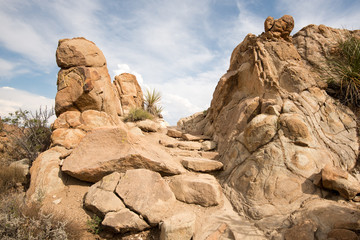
[(275, 126), (129, 91), (272, 142), (83, 81)]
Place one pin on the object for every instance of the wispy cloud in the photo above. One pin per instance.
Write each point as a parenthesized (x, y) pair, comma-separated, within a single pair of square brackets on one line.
[(13, 99)]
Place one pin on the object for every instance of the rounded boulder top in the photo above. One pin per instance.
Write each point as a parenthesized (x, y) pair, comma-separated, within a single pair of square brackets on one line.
[(79, 52)]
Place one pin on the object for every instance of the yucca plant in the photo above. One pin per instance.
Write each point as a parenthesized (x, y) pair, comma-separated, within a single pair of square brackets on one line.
[(343, 73), (152, 100)]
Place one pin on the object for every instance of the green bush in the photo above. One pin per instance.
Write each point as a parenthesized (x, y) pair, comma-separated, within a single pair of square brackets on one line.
[(32, 135), (343, 73), (152, 100), (94, 224), (137, 114)]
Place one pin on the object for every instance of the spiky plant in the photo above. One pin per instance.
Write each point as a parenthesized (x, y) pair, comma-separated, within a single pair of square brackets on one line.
[(152, 100), (343, 74)]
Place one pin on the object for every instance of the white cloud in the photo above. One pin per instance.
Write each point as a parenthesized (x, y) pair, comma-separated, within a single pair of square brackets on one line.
[(6, 68), (124, 68), (12, 99)]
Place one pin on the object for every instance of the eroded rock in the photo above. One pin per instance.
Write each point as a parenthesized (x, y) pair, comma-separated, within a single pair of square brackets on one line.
[(146, 193), (201, 189)]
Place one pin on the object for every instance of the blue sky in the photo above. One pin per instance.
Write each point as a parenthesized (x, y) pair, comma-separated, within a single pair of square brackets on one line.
[(179, 47)]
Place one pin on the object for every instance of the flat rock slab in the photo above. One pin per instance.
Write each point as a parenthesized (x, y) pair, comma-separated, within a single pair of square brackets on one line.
[(148, 125), (101, 202), (109, 149), (190, 137), (146, 193), (201, 164), (180, 227), (189, 145), (201, 189), (174, 133), (124, 221)]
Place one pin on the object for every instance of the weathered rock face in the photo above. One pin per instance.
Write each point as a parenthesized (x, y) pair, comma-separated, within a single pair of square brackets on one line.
[(129, 91), (83, 81), (275, 127)]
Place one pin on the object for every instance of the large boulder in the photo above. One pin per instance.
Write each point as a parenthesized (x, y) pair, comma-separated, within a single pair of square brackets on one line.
[(147, 193), (79, 52), (109, 149), (201, 189), (128, 91), (83, 80)]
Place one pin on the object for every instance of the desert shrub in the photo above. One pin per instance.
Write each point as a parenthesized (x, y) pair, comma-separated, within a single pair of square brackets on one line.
[(94, 224), (10, 177), (343, 72), (137, 114), (19, 221), (32, 135), (152, 100)]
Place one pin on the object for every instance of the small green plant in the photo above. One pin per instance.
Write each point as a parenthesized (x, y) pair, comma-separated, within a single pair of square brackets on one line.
[(32, 133), (137, 114), (343, 73), (94, 224), (152, 100)]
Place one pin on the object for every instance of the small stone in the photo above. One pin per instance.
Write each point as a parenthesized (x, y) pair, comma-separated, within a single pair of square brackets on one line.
[(201, 164), (179, 227), (124, 221)]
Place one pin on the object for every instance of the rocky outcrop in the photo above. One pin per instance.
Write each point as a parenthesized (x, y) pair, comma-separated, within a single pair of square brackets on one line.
[(128, 91), (83, 81), (275, 126)]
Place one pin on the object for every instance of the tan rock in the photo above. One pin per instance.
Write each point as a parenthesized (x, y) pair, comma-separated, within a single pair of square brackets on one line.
[(46, 177), (174, 133), (67, 137), (69, 119), (148, 125), (108, 149), (201, 164), (260, 131), (201, 189), (305, 230), (209, 155), (208, 145), (342, 234), (180, 227), (335, 178), (78, 52), (147, 193), (193, 124), (129, 91), (93, 119), (328, 215), (123, 221), (278, 28), (101, 202), (189, 145), (190, 137)]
